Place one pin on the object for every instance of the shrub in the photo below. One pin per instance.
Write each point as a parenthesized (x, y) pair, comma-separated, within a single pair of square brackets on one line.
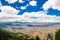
[(57, 35), (37, 38)]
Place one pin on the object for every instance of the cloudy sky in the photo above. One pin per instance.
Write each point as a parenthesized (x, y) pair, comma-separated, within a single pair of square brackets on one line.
[(29, 10)]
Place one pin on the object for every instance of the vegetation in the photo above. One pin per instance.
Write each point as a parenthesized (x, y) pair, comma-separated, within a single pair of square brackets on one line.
[(5, 35), (37, 38), (57, 35)]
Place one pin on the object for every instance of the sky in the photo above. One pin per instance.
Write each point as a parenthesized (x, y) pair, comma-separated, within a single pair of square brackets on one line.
[(30, 10)]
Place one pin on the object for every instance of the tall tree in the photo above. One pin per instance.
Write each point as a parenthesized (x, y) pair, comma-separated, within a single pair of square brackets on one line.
[(57, 35), (37, 38)]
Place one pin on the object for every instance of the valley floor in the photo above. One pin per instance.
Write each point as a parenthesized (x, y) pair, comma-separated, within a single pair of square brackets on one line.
[(42, 32)]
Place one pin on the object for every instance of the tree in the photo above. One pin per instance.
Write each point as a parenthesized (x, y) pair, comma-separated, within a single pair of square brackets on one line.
[(37, 38), (57, 35), (50, 36)]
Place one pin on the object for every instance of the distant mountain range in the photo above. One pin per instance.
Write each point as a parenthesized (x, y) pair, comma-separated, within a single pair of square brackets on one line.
[(29, 24)]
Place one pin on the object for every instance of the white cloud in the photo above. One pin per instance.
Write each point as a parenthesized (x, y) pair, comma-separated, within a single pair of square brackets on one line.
[(33, 3), (9, 14), (24, 7), (0, 4), (11, 1), (9, 10), (55, 4), (40, 16), (21, 1)]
